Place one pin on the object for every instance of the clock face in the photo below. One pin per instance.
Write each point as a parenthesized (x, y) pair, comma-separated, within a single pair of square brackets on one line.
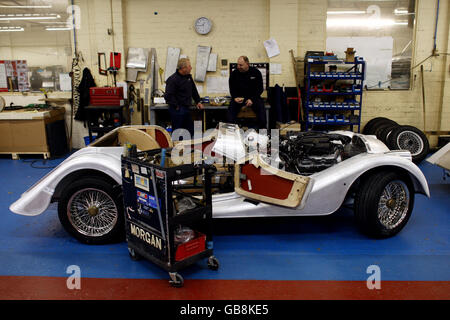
[(203, 25)]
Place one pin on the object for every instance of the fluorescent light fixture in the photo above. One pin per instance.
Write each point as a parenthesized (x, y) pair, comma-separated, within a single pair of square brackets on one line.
[(58, 28), (27, 7), (398, 12), (4, 17), (53, 22), (346, 12), (11, 29), (368, 23)]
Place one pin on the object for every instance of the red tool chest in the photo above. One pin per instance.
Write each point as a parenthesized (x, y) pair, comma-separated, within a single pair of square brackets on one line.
[(106, 96)]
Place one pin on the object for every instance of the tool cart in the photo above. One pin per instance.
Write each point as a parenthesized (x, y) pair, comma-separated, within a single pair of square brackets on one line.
[(166, 222)]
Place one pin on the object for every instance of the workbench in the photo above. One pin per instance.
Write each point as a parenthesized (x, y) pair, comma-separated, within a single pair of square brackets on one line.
[(206, 108)]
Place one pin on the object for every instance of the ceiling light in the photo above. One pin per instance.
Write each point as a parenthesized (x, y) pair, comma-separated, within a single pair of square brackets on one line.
[(367, 23), (399, 12), (58, 28), (28, 17), (346, 12), (27, 7), (11, 29)]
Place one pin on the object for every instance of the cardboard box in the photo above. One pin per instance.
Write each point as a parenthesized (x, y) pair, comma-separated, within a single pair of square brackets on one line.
[(24, 131), (350, 55)]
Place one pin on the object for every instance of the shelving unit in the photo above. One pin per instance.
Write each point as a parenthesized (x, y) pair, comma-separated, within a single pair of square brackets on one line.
[(333, 97), (155, 217)]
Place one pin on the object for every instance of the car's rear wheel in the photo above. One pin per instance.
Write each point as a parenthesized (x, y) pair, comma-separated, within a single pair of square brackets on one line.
[(91, 210), (383, 203)]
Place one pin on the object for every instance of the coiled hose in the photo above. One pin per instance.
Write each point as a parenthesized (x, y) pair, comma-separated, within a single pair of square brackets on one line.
[(76, 79)]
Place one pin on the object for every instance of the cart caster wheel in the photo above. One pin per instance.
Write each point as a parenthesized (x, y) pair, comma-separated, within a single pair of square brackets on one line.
[(213, 263), (134, 255), (176, 280)]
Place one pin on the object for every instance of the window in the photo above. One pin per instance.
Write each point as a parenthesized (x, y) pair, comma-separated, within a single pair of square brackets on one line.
[(38, 32), (381, 32)]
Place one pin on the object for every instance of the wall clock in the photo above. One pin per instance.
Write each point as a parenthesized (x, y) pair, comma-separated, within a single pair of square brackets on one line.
[(203, 25)]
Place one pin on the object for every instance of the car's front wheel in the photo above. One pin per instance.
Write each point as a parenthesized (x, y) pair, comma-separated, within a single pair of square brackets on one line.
[(383, 203), (91, 210)]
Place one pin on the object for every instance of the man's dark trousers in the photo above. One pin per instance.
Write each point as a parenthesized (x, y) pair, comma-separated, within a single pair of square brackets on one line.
[(257, 107), (181, 118)]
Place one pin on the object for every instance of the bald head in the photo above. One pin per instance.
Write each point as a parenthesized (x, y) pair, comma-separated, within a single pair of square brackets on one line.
[(243, 64)]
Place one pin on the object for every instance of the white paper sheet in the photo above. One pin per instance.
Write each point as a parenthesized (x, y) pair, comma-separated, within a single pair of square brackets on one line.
[(271, 48), (275, 68), (217, 85), (65, 82)]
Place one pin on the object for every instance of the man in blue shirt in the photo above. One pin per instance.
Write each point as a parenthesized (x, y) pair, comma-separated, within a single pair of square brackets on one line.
[(180, 90)]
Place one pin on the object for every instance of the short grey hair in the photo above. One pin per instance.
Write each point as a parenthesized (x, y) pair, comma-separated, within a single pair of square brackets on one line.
[(182, 63)]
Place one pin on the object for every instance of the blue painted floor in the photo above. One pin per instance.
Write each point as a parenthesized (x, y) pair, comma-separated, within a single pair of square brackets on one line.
[(311, 248)]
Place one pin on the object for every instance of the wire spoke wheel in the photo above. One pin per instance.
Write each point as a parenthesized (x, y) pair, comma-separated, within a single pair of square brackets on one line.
[(408, 140), (92, 212), (393, 205)]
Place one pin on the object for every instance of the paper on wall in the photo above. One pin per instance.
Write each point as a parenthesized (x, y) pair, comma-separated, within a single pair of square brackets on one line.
[(65, 82), (275, 68), (271, 47), (217, 85)]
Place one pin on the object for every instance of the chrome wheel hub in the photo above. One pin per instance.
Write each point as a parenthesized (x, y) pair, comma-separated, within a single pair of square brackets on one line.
[(394, 204), (411, 141), (92, 212)]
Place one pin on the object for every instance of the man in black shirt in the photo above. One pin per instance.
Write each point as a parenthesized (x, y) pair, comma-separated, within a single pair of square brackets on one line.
[(180, 90), (246, 87)]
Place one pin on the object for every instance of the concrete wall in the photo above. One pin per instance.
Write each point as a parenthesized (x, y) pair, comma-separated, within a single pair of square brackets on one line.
[(240, 27)]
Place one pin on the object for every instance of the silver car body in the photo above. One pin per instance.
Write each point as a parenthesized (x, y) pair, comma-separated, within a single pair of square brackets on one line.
[(324, 194)]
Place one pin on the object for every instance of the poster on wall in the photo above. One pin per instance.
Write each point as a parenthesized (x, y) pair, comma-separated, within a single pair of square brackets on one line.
[(14, 75)]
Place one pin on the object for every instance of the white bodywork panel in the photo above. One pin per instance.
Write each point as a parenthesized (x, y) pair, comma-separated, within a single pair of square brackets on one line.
[(324, 195), (441, 157)]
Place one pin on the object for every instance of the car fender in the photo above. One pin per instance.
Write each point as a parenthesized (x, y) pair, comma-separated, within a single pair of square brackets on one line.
[(36, 199), (332, 185)]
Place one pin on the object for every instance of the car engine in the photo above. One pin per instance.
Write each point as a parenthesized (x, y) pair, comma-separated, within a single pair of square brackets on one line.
[(305, 153)]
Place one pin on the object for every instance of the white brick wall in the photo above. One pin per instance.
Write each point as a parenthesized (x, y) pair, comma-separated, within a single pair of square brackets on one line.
[(241, 26)]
